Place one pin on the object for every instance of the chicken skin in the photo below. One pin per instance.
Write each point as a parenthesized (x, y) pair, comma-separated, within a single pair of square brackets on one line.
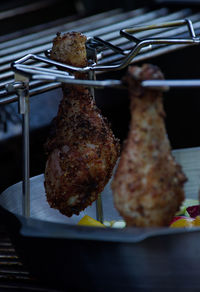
[(81, 150), (148, 183)]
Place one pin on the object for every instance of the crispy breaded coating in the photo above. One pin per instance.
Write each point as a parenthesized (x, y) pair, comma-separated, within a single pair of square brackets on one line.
[(148, 183), (82, 149), (70, 49)]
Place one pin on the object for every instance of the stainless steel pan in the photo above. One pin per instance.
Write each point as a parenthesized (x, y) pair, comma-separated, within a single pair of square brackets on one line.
[(78, 258)]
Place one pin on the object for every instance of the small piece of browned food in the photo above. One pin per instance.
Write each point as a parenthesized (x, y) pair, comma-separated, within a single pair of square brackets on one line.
[(148, 183), (82, 149)]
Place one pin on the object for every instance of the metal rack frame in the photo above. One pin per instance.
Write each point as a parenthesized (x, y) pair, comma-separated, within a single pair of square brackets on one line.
[(26, 72)]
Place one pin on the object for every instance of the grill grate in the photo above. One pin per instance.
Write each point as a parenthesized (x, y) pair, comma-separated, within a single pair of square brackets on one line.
[(13, 274), (105, 25)]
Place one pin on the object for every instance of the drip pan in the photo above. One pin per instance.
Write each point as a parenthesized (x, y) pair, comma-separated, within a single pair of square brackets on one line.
[(72, 257)]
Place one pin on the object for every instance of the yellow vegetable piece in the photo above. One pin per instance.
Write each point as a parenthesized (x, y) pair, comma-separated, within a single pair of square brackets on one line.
[(183, 222), (197, 221), (89, 221)]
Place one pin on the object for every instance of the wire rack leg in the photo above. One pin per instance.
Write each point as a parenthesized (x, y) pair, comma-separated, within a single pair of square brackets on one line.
[(23, 94), (99, 206)]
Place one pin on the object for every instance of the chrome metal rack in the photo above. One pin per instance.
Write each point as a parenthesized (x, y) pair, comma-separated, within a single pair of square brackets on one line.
[(26, 72)]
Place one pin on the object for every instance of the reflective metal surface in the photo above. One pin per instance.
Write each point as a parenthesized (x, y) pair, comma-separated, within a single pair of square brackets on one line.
[(11, 199)]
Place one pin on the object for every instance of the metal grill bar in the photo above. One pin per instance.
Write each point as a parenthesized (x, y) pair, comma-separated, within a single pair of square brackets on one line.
[(158, 50), (37, 47), (83, 25), (94, 21), (33, 91), (25, 9), (158, 33), (114, 36), (95, 43), (13, 274), (111, 22)]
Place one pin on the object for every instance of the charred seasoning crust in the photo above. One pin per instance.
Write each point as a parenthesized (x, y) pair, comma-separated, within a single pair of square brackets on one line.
[(68, 47), (83, 174), (81, 145), (84, 126)]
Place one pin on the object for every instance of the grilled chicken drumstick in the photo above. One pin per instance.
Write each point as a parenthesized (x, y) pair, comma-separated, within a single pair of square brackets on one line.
[(82, 149), (148, 183)]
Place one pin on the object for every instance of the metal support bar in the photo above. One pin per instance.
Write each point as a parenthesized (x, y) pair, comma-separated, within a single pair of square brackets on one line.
[(99, 209), (26, 154), (166, 84), (21, 87), (92, 76)]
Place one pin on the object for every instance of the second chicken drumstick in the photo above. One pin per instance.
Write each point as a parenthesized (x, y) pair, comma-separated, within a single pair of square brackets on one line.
[(148, 184)]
